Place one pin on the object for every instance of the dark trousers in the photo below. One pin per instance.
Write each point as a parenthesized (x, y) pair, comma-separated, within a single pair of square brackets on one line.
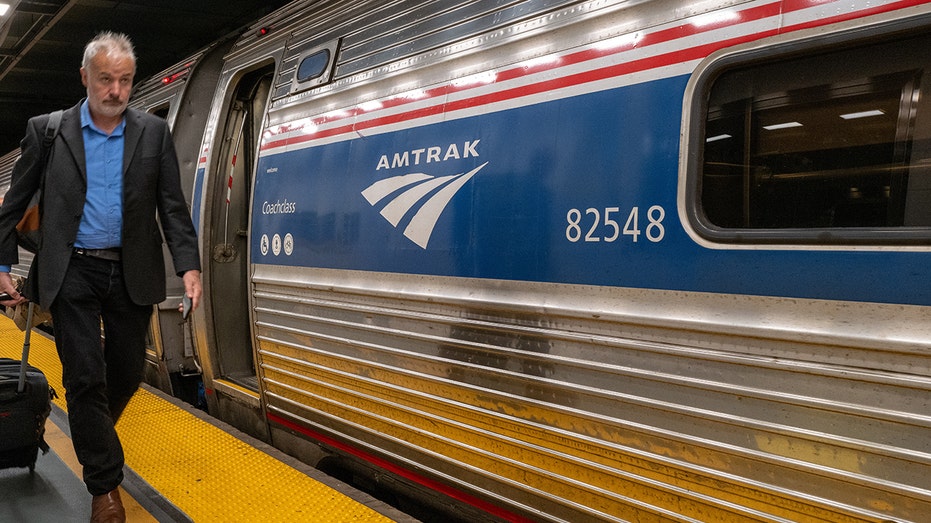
[(100, 376)]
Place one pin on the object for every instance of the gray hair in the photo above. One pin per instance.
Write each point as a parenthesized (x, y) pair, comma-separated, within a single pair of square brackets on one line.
[(110, 43)]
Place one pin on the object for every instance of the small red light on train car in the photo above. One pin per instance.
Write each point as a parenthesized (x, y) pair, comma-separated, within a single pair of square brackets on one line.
[(262, 31), (172, 77)]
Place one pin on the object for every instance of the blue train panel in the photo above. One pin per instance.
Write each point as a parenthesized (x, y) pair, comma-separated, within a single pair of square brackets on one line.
[(580, 190)]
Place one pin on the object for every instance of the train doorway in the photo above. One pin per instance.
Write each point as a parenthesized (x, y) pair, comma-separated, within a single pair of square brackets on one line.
[(226, 251)]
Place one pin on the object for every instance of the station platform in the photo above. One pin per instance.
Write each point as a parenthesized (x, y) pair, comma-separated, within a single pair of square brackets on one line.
[(181, 465)]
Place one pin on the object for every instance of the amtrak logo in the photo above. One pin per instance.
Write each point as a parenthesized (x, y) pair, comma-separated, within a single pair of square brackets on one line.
[(429, 194)]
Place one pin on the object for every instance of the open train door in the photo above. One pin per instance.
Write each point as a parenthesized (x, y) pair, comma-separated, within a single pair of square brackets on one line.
[(181, 95), (230, 371)]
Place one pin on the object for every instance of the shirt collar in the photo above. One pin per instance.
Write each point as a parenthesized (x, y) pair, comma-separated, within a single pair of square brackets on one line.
[(86, 121)]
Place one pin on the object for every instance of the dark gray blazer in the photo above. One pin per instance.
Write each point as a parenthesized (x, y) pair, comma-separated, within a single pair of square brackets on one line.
[(151, 186)]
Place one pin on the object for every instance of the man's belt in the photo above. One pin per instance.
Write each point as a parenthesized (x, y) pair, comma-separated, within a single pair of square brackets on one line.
[(103, 254)]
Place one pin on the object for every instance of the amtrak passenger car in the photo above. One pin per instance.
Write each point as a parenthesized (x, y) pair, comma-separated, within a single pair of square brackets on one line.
[(599, 260), (573, 261)]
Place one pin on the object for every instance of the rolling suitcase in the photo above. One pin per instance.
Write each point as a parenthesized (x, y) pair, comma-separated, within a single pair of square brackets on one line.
[(25, 403)]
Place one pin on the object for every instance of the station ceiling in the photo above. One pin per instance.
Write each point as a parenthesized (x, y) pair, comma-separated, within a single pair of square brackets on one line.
[(41, 43)]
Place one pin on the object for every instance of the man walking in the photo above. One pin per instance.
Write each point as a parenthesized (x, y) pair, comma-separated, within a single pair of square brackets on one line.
[(111, 172)]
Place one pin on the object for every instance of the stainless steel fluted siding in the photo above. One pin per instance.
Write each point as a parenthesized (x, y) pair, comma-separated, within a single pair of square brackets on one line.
[(692, 416)]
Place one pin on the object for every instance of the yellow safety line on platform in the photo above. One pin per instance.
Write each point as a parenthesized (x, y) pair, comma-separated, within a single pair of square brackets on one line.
[(60, 444), (205, 472)]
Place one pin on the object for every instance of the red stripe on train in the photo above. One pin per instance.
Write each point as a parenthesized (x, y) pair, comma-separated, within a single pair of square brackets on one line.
[(404, 473), (664, 60)]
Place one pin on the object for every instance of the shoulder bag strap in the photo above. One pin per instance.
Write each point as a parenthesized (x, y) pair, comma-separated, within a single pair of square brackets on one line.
[(51, 131)]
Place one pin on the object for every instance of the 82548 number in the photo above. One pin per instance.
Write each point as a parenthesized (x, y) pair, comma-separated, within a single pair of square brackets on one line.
[(597, 225)]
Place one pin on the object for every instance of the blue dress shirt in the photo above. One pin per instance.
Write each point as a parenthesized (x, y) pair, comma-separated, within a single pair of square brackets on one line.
[(102, 222)]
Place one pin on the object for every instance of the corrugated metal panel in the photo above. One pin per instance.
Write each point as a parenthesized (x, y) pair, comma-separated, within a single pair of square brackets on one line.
[(586, 400), (375, 38), (169, 79), (428, 27)]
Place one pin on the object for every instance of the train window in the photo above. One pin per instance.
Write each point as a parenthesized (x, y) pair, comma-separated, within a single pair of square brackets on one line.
[(816, 147), (311, 67), (314, 67)]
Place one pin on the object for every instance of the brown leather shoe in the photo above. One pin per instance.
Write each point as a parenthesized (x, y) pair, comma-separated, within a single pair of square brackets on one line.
[(108, 508)]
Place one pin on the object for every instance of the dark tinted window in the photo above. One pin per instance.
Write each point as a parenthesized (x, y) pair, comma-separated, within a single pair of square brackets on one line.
[(833, 145)]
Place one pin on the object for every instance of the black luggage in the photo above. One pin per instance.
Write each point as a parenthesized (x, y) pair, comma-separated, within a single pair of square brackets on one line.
[(25, 403)]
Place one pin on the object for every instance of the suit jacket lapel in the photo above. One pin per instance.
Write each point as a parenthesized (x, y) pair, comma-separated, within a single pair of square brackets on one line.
[(72, 135), (131, 136)]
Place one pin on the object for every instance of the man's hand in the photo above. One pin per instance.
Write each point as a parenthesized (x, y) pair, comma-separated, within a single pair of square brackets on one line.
[(7, 287), (192, 289)]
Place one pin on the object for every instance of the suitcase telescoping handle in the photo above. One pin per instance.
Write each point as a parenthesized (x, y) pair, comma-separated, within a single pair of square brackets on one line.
[(21, 387)]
